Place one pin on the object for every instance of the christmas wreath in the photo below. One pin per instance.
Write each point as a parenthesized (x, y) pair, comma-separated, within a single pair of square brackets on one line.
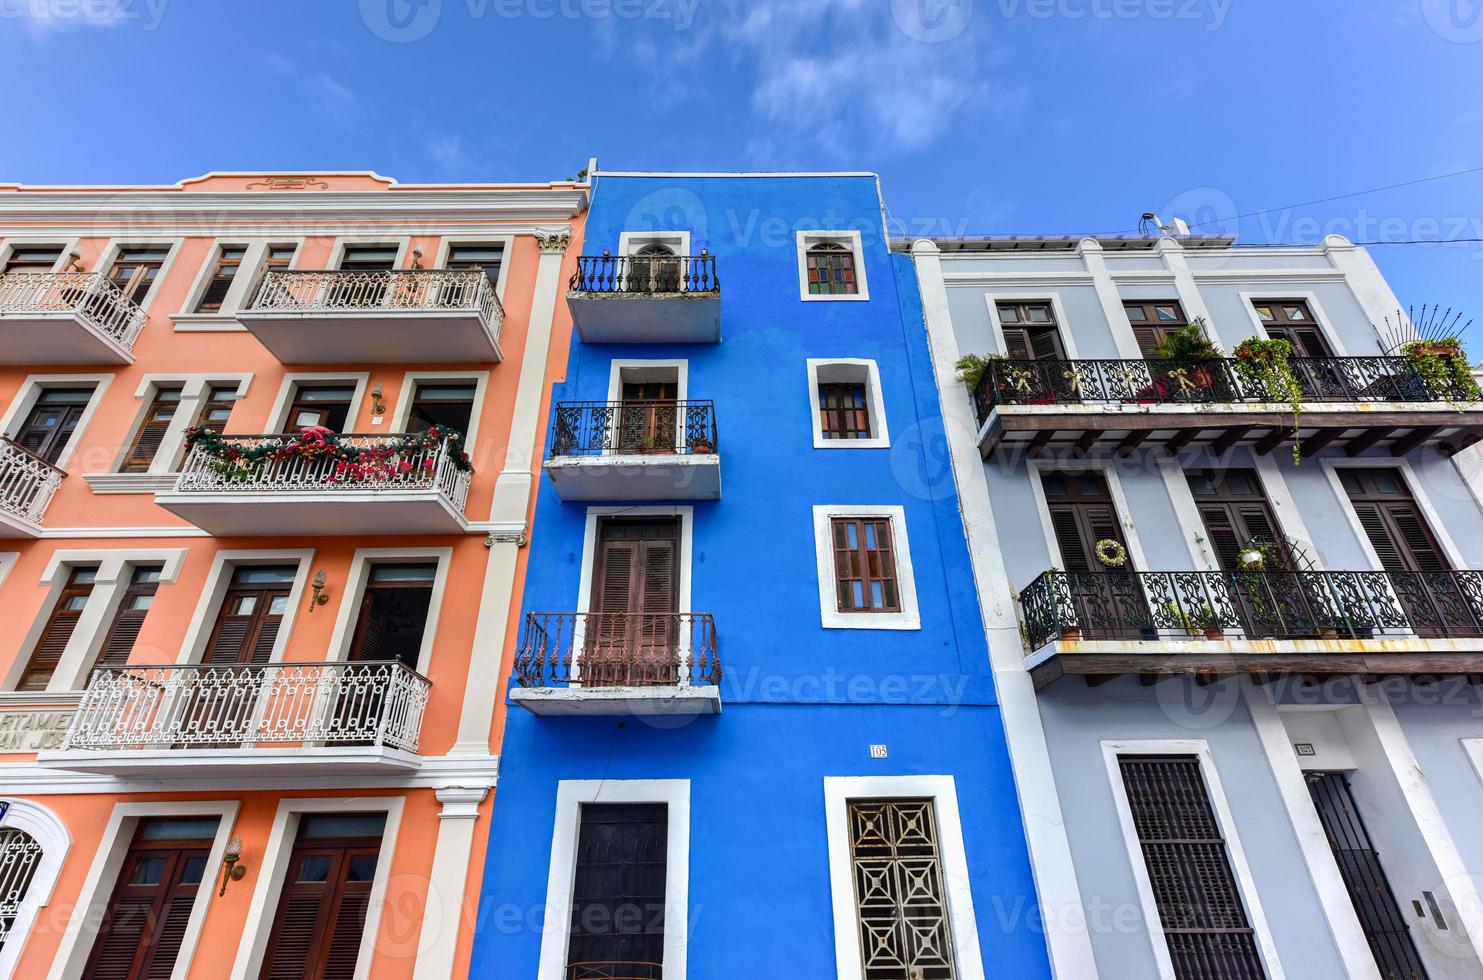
[(1110, 552)]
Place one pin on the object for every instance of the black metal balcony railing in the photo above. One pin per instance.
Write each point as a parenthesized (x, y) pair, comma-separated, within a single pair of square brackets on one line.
[(1090, 382), (644, 275), (1252, 605), (617, 650), (643, 427)]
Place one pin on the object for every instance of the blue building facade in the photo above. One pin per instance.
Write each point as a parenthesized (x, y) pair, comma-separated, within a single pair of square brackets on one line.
[(753, 728)]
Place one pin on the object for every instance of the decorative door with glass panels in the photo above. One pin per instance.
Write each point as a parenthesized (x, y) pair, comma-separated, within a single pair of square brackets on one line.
[(900, 899), (1153, 321), (632, 633), (324, 405), (135, 269), (648, 420)]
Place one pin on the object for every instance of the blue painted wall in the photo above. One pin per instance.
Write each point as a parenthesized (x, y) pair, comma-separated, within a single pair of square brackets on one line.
[(801, 702)]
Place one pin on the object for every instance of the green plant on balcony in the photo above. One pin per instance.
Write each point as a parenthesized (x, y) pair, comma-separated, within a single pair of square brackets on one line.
[(390, 459), (1267, 364), (1186, 344), (972, 368), (1443, 365)]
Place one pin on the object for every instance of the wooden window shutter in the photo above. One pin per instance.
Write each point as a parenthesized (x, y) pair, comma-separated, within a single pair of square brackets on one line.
[(1076, 553), (1017, 343), (1045, 345), (58, 631), (659, 577), (123, 632), (615, 586), (1224, 537), (1422, 549), (152, 433), (248, 622), (1374, 526), (1393, 521)]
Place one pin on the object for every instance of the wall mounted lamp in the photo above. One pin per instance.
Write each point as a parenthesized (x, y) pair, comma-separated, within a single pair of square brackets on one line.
[(231, 867), (320, 596)]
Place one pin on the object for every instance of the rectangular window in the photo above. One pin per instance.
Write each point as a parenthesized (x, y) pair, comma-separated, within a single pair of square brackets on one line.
[(49, 425), (618, 892), (251, 615), (1234, 509), (216, 409), (129, 619), (48, 652), (151, 904), (369, 258), (1152, 321), (1081, 514), (469, 256), (1200, 908), (32, 258), (632, 631), (321, 915), (393, 613), (136, 267), (864, 565), (831, 269), (152, 432), (844, 411), (447, 405), (223, 274), (900, 901), (1030, 332), (1291, 320), (327, 405)]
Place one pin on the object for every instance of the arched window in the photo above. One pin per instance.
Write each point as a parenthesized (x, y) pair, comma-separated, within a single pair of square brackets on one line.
[(19, 856), (655, 269), (831, 269)]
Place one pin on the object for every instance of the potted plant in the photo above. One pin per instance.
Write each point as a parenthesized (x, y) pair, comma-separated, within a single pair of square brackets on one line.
[(972, 368), (1177, 618), (1444, 366), (702, 445), (1206, 620), (1185, 364), (1266, 365), (1187, 344)]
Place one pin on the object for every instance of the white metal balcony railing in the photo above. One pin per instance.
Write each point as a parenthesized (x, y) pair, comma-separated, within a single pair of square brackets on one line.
[(91, 296), (393, 463), (27, 483), (330, 291), (199, 706)]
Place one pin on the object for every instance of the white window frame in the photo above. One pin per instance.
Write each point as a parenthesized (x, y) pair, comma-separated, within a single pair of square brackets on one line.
[(30, 392), (910, 617), (570, 795), (446, 243), (629, 242), (952, 858), (401, 243), (359, 576), (679, 369), (849, 370), (278, 417), (102, 876), (402, 413), (166, 462), (51, 835), (223, 564), (1036, 467), (686, 514), (850, 239), (1249, 298), (1058, 310), (1417, 488), (1245, 883), (109, 254), (239, 296), (68, 243), (274, 869)]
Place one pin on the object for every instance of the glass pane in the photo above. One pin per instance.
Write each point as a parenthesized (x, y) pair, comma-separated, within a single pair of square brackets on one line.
[(322, 825), (456, 393), (75, 603), (84, 576), (1038, 314), (324, 394), (403, 573), (306, 418), (147, 574), (190, 828), (316, 867), (193, 871), (265, 575), (141, 602), (362, 868), (1166, 313), (1264, 312), (278, 606), (1008, 314), (245, 605), (148, 871)]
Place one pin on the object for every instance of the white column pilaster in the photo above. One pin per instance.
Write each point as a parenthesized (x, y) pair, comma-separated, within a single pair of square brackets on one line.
[(447, 904), (1111, 300)]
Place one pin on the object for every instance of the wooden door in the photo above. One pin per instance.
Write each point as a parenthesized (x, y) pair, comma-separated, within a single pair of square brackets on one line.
[(128, 620), (58, 630), (618, 892), (1108, 601), (150, 907), (52, 420), (321, 916), (649, 417), (224, 705), (632, 632)]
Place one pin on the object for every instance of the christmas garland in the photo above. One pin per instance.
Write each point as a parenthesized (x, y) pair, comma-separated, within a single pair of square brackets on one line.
[(350, 463)]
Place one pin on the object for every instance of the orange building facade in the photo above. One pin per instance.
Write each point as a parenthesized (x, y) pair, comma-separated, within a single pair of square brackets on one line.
[(268, 449)]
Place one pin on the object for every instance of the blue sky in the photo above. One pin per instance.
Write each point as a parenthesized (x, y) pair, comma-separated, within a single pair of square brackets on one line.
[(982, 116)]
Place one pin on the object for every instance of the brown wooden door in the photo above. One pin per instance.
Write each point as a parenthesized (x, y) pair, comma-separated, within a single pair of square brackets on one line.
[(1408, 549), (649, 417), (251, 614), (1292, 321), (326, 893), (150, 908), (1234, 508), (325, 405), (152, 431), (618, 892), (632, 632), (1108, 601), (58, 630), (52, 420)]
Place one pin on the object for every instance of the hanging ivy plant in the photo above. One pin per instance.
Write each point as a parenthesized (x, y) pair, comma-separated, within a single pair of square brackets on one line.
[(1266, 365), (1444, 367)]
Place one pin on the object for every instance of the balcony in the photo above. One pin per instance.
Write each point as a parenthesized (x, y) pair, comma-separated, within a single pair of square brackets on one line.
[(659, 450), (27, 485), (343, 717), (1104, 624), (646, 299), (407, 316), (66, 318), (618, 664), (1355, 402), (282, 485)]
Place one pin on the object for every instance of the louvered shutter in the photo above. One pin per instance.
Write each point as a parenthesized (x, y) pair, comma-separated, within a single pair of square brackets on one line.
[(1421, 549), (123, 632), (1224, 537), (370, 628), (170, 928), (1076, 551), (152, 433), (1045, 345), (294, 932), (57, 632), (320, 923), (345, 933), (1017, 343), (1148, 338), (267, 635), (147, 915), (231, 632), (119, 938)]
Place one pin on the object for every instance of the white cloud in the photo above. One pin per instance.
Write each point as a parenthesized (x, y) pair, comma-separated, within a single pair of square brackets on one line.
[(447, 151), (331, 98)]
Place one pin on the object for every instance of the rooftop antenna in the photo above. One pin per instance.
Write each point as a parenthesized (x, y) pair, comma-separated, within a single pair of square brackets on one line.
[(1430, 323), (1178, 227)]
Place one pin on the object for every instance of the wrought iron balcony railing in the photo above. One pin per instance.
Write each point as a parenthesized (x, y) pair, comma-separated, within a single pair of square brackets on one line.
[(91, 296), (27, 483), (199, 706), (410, 290), (393, 463), (615, 970), (1252, 605), (1092, 382), (617, 650), (634, 427), (645, 275)]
